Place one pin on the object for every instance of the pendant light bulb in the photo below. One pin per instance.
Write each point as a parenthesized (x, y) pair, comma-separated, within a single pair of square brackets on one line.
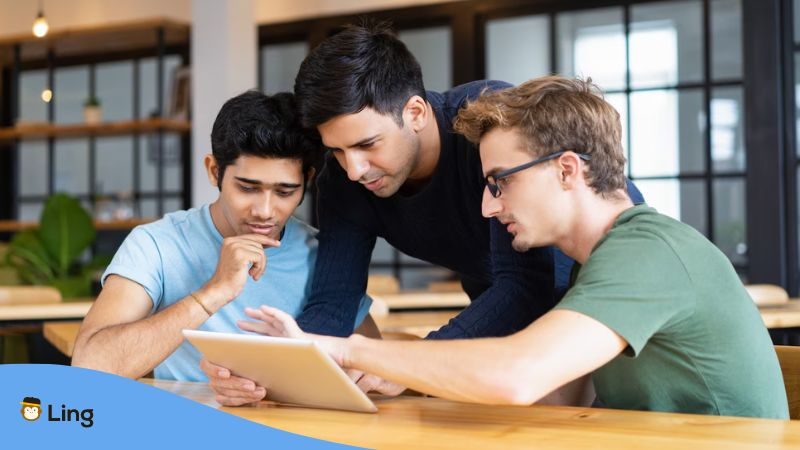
[(40, 27)]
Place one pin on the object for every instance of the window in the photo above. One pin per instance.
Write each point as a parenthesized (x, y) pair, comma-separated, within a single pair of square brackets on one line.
[(504, 48), (432, 47), (114, 176), (279, 65), (795, 48), (681, 109)]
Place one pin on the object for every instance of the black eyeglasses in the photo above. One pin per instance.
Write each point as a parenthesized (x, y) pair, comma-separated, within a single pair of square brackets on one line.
[(492, 180)]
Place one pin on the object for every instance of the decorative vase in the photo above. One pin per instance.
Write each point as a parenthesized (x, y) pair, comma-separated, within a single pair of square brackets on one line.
[(92, 115)]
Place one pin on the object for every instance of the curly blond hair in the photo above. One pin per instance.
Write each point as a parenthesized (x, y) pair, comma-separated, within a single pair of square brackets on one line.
[(555, 113)]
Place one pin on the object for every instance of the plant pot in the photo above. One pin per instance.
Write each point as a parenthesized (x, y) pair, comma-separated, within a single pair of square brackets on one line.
[(92, 115)]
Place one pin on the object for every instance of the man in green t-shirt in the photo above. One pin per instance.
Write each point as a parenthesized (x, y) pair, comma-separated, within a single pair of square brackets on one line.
[(656, 313)]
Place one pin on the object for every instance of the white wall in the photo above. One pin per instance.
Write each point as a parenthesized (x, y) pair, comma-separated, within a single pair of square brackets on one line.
[(224, 64)]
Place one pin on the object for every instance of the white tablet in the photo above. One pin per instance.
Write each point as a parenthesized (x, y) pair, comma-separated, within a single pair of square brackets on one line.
[(293, 371)]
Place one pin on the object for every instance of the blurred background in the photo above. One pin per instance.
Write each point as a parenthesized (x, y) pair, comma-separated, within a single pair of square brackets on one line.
[(113, 104)]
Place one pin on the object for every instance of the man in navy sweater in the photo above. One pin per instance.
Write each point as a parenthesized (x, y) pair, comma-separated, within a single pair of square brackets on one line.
[(396, 170)]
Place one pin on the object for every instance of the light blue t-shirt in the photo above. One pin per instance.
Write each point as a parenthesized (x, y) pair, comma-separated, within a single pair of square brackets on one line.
[(178, 254)]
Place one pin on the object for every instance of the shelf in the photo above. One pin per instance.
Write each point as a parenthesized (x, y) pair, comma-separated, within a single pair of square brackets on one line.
[(100, 225), (88, 40), (43, 131)]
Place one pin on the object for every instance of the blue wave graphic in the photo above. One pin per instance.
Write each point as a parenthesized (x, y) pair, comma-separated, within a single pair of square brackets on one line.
[(124, 414)]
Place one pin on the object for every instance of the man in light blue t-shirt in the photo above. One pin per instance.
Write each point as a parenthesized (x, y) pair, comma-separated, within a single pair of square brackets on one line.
[(203, 267)]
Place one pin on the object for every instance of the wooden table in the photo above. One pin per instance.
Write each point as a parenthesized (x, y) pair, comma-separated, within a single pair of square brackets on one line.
[(419, 323), (72, 309), (424, 300), (418, 422), (62, 335), (786, 315)]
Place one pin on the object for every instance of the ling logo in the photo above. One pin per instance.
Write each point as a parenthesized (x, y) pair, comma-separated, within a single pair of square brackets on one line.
[(31, 408)]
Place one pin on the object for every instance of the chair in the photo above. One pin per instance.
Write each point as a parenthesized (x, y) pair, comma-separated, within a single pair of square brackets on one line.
[(767, 294), (13, 346), (789, 359), (29, 295)]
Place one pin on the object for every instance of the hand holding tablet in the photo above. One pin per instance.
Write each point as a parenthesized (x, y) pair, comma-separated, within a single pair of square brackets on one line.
[(229, 389)]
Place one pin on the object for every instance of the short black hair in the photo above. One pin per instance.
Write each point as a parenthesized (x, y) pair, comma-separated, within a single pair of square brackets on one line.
[(266, 126), (362, 66)]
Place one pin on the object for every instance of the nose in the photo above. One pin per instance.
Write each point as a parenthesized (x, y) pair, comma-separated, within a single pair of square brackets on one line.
[(356, 164), (490, 206), (262, 208)]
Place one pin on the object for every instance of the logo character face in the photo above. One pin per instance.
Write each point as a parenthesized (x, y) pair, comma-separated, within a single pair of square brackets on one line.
[(31, 408), (31, 412)]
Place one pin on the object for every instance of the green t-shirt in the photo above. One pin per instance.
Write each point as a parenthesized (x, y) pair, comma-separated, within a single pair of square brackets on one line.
[(696, 342)]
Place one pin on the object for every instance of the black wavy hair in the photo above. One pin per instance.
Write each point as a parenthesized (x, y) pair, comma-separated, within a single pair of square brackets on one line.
[(362, 66), (266, 126)]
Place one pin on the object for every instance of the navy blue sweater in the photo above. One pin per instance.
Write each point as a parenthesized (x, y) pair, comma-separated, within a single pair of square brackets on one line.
[(441, 224)]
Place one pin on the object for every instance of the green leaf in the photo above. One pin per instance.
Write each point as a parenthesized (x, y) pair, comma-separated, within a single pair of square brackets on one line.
[(26, 253), (73, 287), (100, 261), (30, 276), (66, 230)]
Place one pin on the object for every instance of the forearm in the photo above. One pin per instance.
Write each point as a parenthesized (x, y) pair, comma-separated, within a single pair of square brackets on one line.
[(490, 371), (339, 283), (134, 349), (558, 348)]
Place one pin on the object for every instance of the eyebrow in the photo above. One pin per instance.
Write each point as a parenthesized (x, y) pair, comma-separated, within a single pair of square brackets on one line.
[(364, 141), (261, 183)]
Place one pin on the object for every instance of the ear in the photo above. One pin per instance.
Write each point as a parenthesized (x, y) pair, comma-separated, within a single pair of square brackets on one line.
[(312, 172), (212, 169), (416, 113), (570, 170)]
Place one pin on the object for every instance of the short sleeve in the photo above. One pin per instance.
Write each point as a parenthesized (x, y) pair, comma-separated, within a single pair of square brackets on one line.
[(635, 284), (139, 260)]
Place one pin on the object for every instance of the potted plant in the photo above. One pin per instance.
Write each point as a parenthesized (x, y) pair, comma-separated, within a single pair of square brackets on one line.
[(92, 111), (50, 255)]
